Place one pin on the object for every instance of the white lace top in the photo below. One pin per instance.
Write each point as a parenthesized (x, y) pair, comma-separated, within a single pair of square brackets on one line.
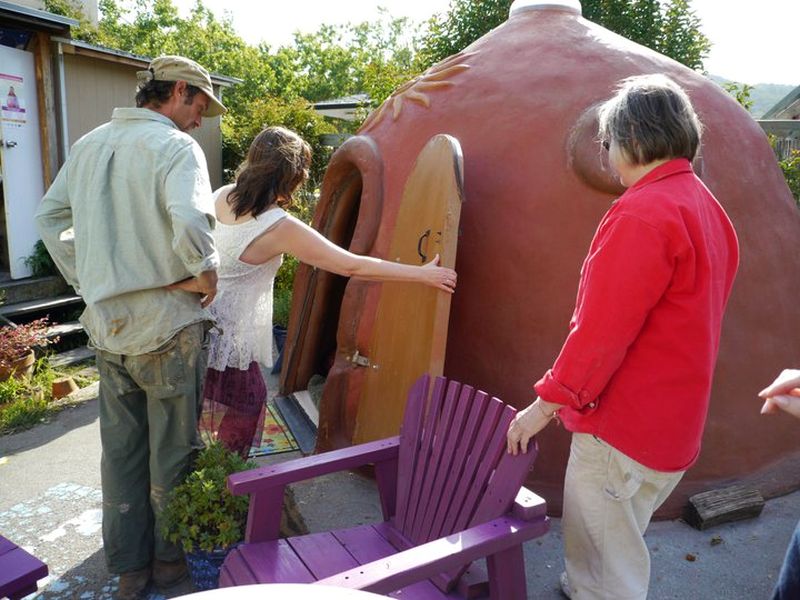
[(243, 305)]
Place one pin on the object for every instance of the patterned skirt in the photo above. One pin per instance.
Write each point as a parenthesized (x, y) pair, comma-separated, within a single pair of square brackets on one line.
[(234, 402)]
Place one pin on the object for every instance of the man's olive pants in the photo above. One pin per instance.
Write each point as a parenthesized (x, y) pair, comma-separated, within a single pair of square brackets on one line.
[(149, 409)]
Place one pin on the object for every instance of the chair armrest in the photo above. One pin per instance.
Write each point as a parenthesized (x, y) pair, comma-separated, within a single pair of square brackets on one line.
[(423, 562), (308, 467), (266, 485)]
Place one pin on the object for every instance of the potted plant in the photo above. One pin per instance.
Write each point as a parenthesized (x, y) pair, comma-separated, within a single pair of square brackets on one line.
[(204, 517), (17, 342)]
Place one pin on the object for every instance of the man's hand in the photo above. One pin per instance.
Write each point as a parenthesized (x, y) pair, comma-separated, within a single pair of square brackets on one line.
[(207, 285), (782, 394), (204, 284), (528, 423)]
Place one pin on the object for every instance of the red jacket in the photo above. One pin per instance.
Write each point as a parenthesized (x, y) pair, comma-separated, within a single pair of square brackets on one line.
[(637, 365)]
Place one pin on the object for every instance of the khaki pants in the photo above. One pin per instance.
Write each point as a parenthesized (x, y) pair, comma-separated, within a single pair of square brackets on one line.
[(149, 409), (609, 499)]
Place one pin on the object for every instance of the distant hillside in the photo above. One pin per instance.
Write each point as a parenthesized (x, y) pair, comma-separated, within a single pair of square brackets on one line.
[(763, 95), (766, 95)]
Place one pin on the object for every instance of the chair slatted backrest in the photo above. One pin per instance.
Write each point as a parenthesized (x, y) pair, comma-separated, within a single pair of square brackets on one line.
[(453, 470)]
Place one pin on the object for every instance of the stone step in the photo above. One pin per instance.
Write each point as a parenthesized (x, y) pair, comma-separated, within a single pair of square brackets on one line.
[(39, 305), (63, 330), (71, 357), (33, 288)]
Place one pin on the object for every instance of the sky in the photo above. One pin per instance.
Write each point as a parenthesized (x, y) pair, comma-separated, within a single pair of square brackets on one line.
[(753, 42)]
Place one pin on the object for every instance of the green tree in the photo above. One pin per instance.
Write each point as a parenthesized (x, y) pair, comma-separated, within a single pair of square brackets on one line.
[(343, 60), (153, 27), (741, 92), (670, 27)]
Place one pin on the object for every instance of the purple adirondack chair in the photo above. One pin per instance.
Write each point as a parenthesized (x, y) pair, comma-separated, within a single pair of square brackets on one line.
[(449, 492), (19, 571)]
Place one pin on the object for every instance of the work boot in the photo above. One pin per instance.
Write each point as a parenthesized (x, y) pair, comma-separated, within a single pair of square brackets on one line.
[(167, 574), (134, 585)]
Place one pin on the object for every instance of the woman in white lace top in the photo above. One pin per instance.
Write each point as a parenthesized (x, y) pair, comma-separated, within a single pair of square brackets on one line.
[(253, 232)]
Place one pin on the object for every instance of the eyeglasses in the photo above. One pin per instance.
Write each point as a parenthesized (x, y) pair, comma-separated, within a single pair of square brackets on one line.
[(606, 145)]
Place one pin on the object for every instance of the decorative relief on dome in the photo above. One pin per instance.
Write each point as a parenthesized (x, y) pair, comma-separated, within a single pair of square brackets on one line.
[(436, 77)]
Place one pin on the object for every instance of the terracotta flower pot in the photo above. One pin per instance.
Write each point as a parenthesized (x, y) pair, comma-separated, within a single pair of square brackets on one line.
[(20, 368), (63, 386)]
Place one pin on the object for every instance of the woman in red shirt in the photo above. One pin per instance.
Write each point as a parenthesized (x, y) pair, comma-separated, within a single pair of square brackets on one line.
[(633, 378)]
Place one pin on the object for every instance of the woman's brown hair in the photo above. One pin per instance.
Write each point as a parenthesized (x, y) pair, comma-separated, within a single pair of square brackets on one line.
[(277, 164), (651, 118)]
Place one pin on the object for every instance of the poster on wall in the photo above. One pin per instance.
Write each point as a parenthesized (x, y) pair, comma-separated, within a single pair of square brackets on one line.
[(12, 100)]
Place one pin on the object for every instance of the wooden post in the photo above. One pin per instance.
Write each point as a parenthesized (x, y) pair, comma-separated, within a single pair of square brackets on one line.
[(42, 59), (722, 506)]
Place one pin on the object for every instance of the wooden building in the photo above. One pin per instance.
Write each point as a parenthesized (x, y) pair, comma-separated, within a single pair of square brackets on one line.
[(783, 122), (53, 90)]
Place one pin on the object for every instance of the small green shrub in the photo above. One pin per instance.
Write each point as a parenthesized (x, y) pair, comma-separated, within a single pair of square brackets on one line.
[(23, 412), (282, 291), (201, 513), (12, 389), (281, 306), (791, 171), (40, 262), (24, 403)]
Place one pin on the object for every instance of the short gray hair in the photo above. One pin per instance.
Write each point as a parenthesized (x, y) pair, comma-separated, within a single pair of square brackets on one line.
[(650, 118)]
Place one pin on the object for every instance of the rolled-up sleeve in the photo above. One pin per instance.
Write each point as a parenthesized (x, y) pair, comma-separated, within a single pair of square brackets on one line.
[(627, 272), (191, 210), (53, 221)]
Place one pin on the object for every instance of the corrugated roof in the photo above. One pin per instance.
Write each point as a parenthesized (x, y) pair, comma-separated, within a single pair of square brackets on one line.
[(353, 101), (138, 60), (32, 16)]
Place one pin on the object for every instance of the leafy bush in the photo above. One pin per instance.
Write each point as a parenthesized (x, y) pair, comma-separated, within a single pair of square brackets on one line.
[(40, 262), (791, 170), (281, 306), (24, 403), (201, 513)]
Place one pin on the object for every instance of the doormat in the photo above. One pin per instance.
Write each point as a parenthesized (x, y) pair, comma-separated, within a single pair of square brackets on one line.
[(276, 437)]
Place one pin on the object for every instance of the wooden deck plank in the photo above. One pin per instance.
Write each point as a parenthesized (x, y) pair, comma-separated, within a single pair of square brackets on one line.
[(365, 543), (275, 561), (322, 554), (19, 570), (235, 571)]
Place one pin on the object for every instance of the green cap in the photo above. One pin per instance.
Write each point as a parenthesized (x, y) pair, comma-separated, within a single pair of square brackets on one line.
[(179, 68)]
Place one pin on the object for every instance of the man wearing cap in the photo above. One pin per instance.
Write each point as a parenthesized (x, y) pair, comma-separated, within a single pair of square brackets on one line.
[(136, 194)]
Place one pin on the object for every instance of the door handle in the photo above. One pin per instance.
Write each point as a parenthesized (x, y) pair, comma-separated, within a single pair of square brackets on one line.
[(423, 254), (10, 144)]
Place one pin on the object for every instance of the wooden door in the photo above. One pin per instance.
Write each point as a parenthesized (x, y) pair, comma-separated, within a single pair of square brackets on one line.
[(409, 337)]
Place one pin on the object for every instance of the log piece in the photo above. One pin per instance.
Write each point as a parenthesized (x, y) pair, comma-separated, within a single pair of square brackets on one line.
[(724, 505)]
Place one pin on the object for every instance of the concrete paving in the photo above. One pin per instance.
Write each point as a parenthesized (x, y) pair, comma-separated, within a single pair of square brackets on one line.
[(50, 504)]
